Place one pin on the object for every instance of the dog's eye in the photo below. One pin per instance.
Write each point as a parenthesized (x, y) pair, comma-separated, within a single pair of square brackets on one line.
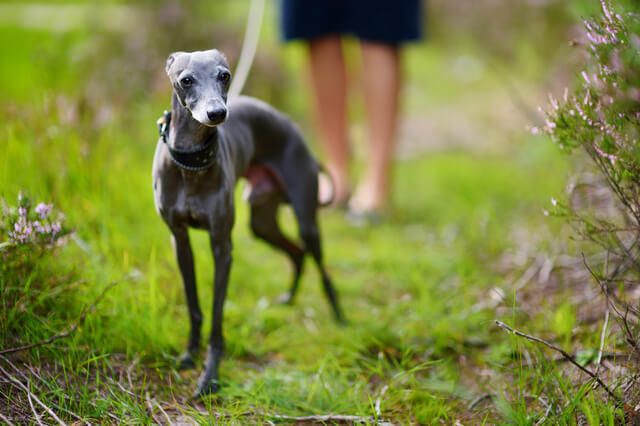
[(186, 82), (224, 76)]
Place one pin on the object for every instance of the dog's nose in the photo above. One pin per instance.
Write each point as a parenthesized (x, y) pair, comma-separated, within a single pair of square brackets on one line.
[(217, 115)]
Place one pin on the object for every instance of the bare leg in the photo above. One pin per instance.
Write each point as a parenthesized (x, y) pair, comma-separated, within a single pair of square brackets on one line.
[(381, 82), (329, 85)]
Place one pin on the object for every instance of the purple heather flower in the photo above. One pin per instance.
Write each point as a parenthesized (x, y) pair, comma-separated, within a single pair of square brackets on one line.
[(603, 154), (43, 210)]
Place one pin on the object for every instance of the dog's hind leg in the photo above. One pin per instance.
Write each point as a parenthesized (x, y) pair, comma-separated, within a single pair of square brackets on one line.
[(305, 205), (264, 224), (311, 238), (302, 191), (184, 256)]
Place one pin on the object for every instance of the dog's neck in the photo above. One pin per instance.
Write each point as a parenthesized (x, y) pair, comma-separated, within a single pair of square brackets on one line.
[(186, 132)]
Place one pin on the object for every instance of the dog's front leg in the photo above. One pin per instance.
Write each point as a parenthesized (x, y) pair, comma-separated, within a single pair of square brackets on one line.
[(221, 248), (184, 256)]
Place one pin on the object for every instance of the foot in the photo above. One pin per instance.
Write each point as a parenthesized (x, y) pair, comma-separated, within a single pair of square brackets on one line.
[(186, 362), (207, 388), (370, 196)]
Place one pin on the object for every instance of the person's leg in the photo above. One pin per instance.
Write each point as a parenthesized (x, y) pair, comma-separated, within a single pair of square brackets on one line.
[(381, 82), (329, 86)]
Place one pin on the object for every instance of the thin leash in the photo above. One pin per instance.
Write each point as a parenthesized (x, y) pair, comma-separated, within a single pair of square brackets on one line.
[(249, 46)]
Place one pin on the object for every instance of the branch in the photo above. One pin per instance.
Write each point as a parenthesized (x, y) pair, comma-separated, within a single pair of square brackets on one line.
[(564, 354), (71, 329), (604, 286)]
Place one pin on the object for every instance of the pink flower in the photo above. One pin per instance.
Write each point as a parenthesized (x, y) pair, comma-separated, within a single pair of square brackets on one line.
[(586, 77), (603, 154), (43, 210)]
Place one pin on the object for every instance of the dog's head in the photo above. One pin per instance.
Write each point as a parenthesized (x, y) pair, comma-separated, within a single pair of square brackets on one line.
[(201, 82)]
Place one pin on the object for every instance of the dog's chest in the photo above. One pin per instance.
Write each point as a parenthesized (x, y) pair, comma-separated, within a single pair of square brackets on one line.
[(192, 201), (194, 207)]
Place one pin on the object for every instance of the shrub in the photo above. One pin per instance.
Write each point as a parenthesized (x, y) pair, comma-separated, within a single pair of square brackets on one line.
[(602, 118), (28, 233)]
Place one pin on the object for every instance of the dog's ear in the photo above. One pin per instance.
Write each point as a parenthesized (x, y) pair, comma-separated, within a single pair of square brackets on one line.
[(171, 59)]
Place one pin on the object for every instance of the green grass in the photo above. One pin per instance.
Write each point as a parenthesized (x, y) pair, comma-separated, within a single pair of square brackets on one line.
[(421, 342)]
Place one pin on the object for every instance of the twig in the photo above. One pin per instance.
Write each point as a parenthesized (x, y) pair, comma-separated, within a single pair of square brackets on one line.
[(479, 399), (35, 413), (129, 369), (150, 407), (114, 417), (30, 368), (546, 413), (602, 337), (71, 329), (379, 399), (6, 420), (558, 358), (93, 404), (31, 395), (123, 389), (604, 286), (564, 354), (164, 413), (630, 338), (328, 418)]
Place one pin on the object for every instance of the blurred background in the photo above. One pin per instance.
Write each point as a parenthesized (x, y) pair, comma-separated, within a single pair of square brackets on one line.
[(102, 56)]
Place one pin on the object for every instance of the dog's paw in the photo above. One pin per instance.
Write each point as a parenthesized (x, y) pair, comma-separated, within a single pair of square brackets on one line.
[(207, 388), (342, 321), (185, 362)]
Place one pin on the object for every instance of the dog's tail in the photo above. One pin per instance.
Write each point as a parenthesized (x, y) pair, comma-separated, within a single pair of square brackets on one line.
[(326, 188)]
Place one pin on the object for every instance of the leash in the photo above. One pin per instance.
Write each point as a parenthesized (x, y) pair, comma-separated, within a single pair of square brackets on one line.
[(249, 47)]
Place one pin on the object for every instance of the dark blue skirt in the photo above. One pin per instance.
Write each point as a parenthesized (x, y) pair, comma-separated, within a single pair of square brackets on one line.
[(384, 21)]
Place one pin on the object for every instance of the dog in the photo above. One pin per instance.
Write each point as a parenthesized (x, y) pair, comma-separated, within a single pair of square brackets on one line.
[(207, 143)]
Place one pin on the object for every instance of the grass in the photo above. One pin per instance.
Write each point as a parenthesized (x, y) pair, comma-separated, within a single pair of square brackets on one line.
[(417, 289)]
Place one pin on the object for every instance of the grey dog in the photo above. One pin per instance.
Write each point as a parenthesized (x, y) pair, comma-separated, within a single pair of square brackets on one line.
[(206, 145)]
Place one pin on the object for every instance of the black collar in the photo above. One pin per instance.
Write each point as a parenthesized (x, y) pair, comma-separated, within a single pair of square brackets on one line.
[(195, 158)]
